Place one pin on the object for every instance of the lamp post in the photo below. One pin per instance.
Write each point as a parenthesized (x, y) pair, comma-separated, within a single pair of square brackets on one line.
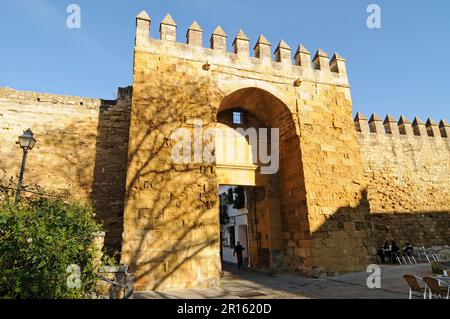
[(26, 142)]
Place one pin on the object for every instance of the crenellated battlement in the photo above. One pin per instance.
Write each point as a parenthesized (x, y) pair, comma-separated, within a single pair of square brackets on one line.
[(390, 126), (297, 68)]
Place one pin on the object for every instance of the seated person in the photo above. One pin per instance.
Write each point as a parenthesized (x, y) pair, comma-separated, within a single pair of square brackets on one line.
[(408, 250), (384, 252), (387, 249), (395, 251)]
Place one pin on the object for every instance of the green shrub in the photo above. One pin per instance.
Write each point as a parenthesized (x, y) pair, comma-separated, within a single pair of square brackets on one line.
[(39, 240)]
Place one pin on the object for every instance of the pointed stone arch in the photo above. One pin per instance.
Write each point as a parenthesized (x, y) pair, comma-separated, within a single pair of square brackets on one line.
[(281, 196)]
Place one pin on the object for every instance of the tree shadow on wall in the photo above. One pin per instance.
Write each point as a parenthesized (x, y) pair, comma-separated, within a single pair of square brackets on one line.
[(91, 162), (171, 235)]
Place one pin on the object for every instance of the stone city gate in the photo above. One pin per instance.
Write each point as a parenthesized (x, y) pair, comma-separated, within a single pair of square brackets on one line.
[(313, 214)]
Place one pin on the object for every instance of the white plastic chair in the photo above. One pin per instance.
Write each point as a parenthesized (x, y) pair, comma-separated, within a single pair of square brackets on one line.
[(421, 253)]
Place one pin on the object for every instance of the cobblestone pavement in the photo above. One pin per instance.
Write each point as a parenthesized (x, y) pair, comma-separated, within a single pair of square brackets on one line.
[(245, 284)]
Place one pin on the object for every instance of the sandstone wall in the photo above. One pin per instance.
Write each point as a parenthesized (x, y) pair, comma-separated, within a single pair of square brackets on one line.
[(171, 230), (312, 217), (408, 170), (338, 210), (171, 221), (81, 148)]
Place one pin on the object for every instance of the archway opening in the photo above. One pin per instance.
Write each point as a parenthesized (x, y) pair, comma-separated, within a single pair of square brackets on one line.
[(270, 223)]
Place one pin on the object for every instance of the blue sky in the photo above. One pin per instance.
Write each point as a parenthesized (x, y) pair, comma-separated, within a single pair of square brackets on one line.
[(401, 68)]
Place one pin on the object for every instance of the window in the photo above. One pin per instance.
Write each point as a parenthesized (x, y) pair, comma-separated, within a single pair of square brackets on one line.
[(232, 237), (237, 117)]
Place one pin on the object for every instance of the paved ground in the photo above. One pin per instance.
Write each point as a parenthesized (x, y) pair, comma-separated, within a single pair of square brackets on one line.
[(246, 284)]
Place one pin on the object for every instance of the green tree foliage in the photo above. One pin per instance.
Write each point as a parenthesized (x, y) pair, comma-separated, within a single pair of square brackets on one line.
[(39, 240)]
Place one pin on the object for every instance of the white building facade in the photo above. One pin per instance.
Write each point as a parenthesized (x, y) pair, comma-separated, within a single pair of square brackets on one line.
[(234, 222)]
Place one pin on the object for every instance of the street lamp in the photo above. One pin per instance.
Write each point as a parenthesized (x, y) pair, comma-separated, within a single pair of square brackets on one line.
[(26, 142)]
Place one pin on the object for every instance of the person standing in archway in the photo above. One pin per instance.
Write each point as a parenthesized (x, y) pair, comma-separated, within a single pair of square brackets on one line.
[(238, 250)]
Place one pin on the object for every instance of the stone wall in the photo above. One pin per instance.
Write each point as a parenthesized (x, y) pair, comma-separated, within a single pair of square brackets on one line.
[(338, 193), (171, 226), (408, 170), (81, 148), (338, 210), (171, 230)]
